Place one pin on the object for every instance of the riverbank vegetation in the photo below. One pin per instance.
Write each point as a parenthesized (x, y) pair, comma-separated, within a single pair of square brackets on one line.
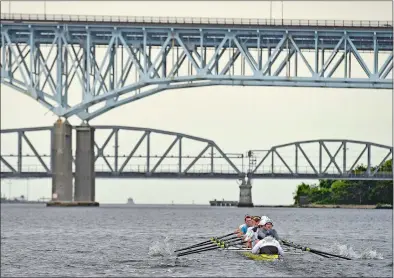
[(346, 192)]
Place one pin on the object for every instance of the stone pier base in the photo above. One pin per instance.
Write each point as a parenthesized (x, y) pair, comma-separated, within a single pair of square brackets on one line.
[(72, 204), (245, 194), (84, 165), (61, 160)]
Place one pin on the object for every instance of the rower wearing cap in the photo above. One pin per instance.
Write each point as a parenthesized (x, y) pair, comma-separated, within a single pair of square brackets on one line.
[(265, 228)]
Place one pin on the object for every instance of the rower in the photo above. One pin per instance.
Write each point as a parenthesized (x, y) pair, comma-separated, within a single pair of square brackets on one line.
[(268, 245), (251, 234), (244, 227), (265, 228)]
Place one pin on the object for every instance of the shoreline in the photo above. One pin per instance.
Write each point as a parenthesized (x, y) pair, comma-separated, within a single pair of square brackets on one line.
[(328, 206), (322, 206)]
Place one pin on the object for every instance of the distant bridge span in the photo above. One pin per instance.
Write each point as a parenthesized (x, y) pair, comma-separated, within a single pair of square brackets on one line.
[(135, 152), (337, 156)]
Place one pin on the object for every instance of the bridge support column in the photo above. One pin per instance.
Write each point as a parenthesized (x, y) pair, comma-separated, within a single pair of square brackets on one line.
[(245, 194), (61, 159), (84, 165)]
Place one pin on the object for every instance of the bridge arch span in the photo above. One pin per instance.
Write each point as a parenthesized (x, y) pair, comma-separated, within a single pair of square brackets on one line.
[(139, 59), (134, 96), (190, 156), (322, 159)]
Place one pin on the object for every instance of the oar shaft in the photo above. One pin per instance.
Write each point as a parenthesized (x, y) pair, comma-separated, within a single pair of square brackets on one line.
[(214, 245), (322, 255), (317, 252), (195, 245), (325, 253), (203, 243), (230, 239), (204, 249), (212, 241), (299, 247), (198, 251)]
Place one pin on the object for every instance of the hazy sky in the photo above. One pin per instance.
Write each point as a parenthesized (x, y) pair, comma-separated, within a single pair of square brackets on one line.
[(236, 118)]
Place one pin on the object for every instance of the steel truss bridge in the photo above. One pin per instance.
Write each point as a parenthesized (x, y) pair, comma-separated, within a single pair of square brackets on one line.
[(133, 152), (85, 66)]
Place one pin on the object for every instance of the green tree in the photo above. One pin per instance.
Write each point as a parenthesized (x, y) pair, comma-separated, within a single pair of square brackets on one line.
[(326, 183), (359, 191), (349, 191), (322, 196), (302, 190), (340, 192), (360, 169), (382, 193), (387, 166)]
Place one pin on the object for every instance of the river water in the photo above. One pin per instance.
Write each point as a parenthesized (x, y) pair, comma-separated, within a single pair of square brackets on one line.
[(139, 241)]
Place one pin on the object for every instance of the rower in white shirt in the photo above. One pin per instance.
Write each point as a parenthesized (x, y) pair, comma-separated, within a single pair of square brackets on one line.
[(268, 245)]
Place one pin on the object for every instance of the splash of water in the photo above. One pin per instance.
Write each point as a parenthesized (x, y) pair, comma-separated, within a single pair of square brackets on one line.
[(161, 248), (371, 254), (345, 250)]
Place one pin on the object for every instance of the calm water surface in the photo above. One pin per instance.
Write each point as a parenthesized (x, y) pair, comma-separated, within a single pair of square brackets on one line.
[(139, 240)]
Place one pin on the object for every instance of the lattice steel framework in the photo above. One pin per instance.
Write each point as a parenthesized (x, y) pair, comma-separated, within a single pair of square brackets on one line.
[(87, 68), (204, 160), (275, 165), (130, 152)]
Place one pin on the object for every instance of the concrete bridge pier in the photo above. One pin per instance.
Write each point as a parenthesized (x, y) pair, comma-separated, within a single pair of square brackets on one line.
[(245, 193), (84, 165), (62, 172), (61, 160)]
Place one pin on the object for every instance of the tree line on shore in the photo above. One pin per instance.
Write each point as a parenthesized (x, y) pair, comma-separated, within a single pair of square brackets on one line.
[(349, 192)]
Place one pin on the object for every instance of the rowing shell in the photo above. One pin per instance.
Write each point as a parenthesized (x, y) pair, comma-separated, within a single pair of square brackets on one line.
[(261, 257), (257, 257), (247, 253)]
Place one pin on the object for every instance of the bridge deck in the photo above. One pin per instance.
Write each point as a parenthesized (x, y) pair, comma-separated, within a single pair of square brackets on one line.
[(190, 21), (172, 175)]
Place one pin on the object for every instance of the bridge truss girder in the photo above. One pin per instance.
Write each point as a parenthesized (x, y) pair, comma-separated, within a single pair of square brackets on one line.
[(206, 159), (370, 156), (86, 70), (131, 152)]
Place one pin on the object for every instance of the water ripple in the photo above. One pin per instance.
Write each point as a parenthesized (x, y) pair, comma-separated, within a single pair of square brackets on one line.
[(116, 241)]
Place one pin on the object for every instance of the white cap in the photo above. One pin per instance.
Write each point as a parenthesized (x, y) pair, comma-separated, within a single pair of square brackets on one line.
[(264, 220)]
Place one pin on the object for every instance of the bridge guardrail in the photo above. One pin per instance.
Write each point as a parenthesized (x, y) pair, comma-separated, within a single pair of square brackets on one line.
[(196, 20), (139, 168), (200, 168)]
